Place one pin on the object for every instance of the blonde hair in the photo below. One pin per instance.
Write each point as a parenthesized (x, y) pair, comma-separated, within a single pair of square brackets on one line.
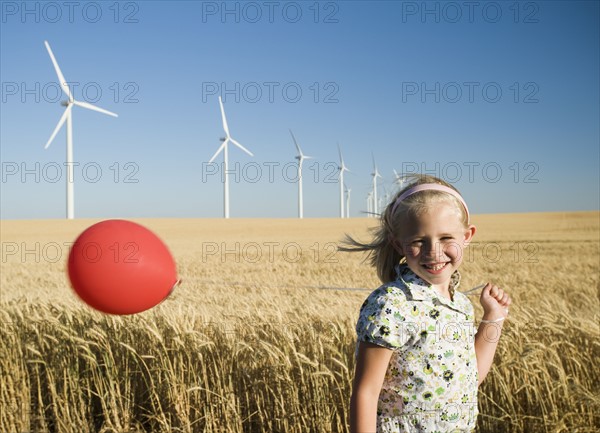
[(382, 251)]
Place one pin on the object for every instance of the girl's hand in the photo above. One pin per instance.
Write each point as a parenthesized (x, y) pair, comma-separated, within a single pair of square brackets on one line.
[(494, 301)]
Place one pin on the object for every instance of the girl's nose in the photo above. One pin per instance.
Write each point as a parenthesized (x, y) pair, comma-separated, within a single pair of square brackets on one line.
[(429, 250), (432, 251)]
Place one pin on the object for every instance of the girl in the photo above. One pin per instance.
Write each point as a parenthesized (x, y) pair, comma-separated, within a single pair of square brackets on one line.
[(418, 364)]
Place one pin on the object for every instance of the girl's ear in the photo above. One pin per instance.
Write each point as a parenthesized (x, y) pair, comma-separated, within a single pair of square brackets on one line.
[(469, 233)]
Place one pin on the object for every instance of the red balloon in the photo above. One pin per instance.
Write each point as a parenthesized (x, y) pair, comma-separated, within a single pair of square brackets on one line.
[(120, 267)]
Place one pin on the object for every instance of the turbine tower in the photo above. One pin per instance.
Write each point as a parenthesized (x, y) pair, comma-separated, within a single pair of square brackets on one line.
[(342, 167), (348, 191), (223, 148), (375, 175), (370, 204), (300, 157), (68, 118)]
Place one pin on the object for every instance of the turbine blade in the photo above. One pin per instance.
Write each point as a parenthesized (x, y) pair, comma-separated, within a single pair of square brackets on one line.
[(396, 174), (241, 147), (219, 150), (340, 152), (94, 108), (225, 127), (61, 79), (376, 173), (296, 143), (58, 125)]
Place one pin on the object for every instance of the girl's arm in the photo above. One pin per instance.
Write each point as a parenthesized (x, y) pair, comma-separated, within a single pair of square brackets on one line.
[(495, 304), (371, 364)]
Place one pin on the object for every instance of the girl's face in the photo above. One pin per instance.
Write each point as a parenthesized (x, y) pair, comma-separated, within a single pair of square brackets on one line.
[(433, 242)]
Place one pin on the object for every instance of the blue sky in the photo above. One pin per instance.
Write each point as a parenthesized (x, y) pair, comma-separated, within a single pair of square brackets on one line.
[(500, 98)]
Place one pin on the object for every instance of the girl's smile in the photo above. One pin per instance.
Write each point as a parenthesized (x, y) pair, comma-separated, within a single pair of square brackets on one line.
[(435, 268)]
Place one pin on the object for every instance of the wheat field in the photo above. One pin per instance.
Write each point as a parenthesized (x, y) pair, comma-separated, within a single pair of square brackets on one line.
[(259, 336)]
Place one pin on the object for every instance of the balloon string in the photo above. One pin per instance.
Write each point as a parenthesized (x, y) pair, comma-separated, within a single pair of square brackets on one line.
[(246, 284)]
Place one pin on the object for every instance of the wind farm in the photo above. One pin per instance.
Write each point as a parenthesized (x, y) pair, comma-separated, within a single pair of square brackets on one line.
[(344, 191)]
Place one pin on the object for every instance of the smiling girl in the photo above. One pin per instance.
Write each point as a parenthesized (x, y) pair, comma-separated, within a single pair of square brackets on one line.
[(418, 365)]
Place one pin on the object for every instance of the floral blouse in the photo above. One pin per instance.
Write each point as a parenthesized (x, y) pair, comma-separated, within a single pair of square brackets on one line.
[(431, 381)]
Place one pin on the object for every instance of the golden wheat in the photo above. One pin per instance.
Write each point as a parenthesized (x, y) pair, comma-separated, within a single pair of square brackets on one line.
[(260, 335)]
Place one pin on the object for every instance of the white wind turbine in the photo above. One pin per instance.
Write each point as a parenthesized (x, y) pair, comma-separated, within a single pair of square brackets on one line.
[(370, 204), (300, 157), (342, 167), (348, 191), (399, 180), (223, 148), (375, 175), (68, 118)]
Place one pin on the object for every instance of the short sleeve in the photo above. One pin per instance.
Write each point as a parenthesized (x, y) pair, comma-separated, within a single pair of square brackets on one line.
[(382, 318)]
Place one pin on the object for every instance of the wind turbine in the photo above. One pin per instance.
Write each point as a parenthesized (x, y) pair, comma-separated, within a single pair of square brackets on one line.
[(348, 191), (223, 148), (342, 167), (399, 180), (370, 204), (68, 117), (375, 175), (300, 157)]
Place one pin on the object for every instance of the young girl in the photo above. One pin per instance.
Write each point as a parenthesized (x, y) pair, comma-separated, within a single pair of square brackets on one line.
[(418, 363)]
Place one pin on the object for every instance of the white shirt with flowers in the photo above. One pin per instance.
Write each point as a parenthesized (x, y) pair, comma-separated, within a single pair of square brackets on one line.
[(431, 381)]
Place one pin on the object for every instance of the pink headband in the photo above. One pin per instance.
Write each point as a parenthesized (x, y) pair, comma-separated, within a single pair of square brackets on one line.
[(429, 186)]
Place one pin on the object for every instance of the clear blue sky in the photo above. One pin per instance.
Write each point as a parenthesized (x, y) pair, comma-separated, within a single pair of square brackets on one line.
[(415, 83)]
